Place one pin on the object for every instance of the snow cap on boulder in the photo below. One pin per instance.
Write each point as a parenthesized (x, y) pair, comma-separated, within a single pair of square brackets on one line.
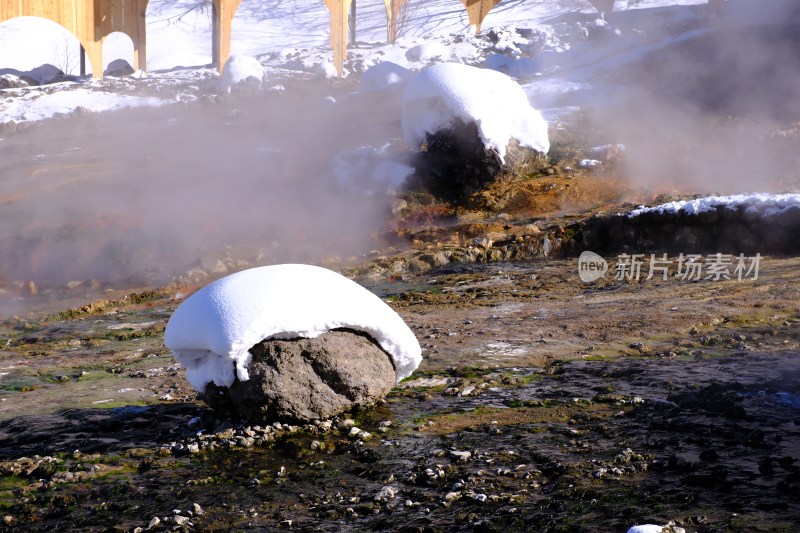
[(212, 332), (240, 69), (493, 101)]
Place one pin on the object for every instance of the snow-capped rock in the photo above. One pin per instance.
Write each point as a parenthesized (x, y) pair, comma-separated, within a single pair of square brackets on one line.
[(493, 101), (211, 331)]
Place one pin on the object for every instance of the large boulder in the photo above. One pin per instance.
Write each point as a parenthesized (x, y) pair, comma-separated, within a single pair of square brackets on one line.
[(473, 126), (44, 74), (455, 163), (306, 379)]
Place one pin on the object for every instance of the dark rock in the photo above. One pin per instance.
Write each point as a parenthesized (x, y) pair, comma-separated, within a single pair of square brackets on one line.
[(61, 78), (307, 379), (454, 162), (118, 67), (44, 74)]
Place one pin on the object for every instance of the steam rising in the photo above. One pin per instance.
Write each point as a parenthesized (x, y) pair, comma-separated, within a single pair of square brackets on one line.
[(143, 195), (137, 197), (716, 112)]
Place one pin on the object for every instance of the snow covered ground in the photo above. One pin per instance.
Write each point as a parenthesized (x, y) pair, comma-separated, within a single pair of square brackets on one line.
[(564, 56), (524, 38)]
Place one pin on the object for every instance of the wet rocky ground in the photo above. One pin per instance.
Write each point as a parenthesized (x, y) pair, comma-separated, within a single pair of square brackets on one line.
[(543, 404)]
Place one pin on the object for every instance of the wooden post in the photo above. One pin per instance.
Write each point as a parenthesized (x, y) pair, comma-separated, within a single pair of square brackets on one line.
[(83, 61), (339, 10), (140, 43), (393, 9), (214, 35), (353, 22), (477, 11), (94, 50), (224, 11)]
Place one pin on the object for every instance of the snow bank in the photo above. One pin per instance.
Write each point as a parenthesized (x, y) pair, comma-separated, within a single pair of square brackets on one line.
[(211, 332), (240, 69), (382, 76), (760, 203), (427, 52), (495, 102), (36, 105)]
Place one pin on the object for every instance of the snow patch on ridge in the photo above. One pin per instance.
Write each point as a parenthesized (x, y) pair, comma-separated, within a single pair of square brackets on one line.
[(761, 203)]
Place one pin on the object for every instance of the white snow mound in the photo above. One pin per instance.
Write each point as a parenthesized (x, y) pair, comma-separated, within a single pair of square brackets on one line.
[(646, 528), (495, 102), (383, 75), (764, 204), (241, 68), (211, 332)]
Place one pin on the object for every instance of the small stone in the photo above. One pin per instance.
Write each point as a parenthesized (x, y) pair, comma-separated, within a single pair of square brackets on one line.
[(155, 522), (8, 519), (469, 389), (452, 496), (354, 432), (462, 456), (398, 205), (483, 242), (182, 520), (386, 493), (197, 509)]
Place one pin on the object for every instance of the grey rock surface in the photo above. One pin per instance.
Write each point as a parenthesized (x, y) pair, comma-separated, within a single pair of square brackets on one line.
[(307, 379), (118, 67)]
